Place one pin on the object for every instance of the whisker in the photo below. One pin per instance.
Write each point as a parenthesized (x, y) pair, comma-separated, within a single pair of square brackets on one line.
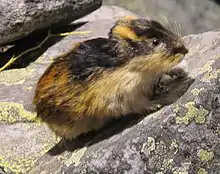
[(167, 21), (180, 29), (176, 28)]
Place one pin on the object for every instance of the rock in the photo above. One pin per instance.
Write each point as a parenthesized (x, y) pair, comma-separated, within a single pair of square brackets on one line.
[(107, 12), (22, 17), (182, 137), (193, 17)]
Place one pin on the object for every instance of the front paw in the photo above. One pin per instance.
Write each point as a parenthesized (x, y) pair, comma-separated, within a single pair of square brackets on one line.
[(177, 73), (153, 107)]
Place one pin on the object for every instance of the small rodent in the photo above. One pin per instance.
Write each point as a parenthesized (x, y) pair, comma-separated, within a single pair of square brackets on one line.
[(105, 78)]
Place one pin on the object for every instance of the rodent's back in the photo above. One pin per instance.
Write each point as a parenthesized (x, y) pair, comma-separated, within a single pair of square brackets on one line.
[(63, 88)]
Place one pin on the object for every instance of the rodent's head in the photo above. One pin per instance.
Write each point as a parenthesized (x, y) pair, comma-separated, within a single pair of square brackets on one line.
[(147, 44)]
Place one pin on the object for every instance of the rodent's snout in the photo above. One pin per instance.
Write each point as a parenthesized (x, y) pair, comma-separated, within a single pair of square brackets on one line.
[(180, 49)]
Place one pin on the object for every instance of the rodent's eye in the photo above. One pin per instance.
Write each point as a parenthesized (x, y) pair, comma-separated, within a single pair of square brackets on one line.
[(156, 42)]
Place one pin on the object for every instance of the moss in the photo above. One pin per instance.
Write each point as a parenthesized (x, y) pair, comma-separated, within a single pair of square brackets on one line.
[(192, 113), (202, 171), (15, 76), (75, 157), (205, 155), (11, 112), (196, 91)]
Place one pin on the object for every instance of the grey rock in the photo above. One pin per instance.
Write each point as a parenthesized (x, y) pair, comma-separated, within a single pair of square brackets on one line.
[(108, 13), (22, 17), (192, 16), (182, 137)]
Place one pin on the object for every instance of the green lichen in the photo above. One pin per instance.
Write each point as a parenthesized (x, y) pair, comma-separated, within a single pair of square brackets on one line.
[(15, 76), (199, 115), (11, 112), (76, 157), (205, 155), (196, 91), (202, 171)]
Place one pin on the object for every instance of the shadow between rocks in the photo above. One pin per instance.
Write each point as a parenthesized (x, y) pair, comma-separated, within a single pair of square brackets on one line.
[(174, 90), (31, 41), (217, 1)]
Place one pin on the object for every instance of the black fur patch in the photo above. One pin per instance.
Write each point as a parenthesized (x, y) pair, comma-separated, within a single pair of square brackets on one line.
[(91, 56)]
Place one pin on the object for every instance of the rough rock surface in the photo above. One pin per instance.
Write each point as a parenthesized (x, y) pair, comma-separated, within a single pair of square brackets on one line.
[(21, 17), (193, 16), (183, 137)]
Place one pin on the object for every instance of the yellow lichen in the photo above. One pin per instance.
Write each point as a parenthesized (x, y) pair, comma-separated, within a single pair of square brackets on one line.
[(149, 146), (176, 108), (196, 91), (27, 88), (184, 169), (202, 171), (49, 144), (18, 165), (217, 56), (209, 76), (167, 163), (205, 155), (206, 68), (210, 73), (218, 132), (174, 147), (11, 112), (76, 157), (21, 158), (193, 113), (15, 76), (44, 58)]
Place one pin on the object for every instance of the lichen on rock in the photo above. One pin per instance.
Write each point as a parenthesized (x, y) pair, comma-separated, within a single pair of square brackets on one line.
[(180, 138)]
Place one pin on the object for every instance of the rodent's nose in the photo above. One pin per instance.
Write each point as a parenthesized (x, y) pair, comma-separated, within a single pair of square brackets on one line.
[(181, 49)]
